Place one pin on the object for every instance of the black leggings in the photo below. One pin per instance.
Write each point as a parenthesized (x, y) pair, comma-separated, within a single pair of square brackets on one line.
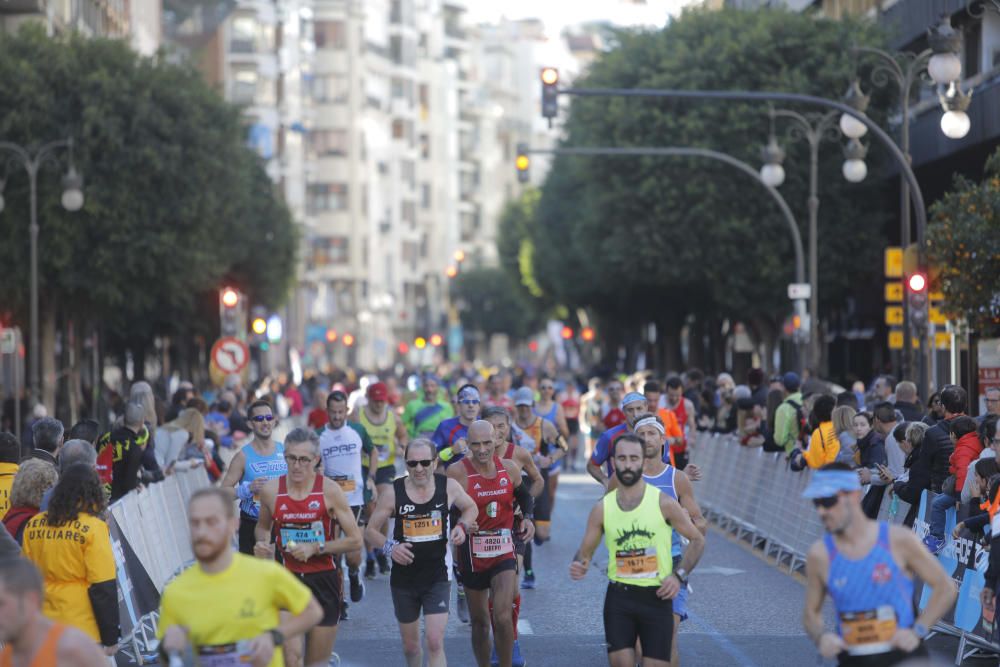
[(246, 536)]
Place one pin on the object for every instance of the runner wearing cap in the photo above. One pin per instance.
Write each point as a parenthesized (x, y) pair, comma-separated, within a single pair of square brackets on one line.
[(451, 435), (633, 405), (867, 568), (547, 446)]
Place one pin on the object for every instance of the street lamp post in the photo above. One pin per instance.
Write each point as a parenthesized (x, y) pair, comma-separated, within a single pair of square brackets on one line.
[(72, 200), (814, 128)]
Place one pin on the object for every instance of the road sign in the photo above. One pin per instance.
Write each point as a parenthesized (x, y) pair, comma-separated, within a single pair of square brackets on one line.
[(936, 316), (893, 315), (895, 340), (230, 354), (893, 262), (894, 292), (942, 340), (8, 341), (937, 296), (799, 291)]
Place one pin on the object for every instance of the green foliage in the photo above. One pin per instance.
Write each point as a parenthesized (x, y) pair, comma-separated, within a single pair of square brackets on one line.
[(963, 238), (175, 201), (494, 304), (641, 239)]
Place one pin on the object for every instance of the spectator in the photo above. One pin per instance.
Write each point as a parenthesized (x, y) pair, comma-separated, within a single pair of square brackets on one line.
[(847, 398), (191, 422), (38, 413), (178, 402), (991, 444), (882, 390), (73, 452), (872, 454), (126, 447), (992, 400), (33, 480), (10, 454), (787, 418), (823, 444), (76, 561), (938, 445), (317, 417), (142, 393), (85, 429), (907, 403), (935, 411), (978, 481), (758, 390), (47, 436), (967, 448), (9, 548), (917, 474), (726, 415), (843, 424), (858, 389)]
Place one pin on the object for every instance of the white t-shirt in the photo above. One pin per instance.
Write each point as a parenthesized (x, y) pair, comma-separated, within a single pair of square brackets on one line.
[(341, 451)]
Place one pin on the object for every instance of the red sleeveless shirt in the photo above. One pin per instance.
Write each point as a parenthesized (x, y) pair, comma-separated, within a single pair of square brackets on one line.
[(306, 520), (493, 542)]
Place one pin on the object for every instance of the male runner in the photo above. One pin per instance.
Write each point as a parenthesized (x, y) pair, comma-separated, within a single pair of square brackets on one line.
[(637, 521), (258, 461), (226, 606), (387, 433), (450, 437), (653, 392), (306, 507), (495, 394), (487, 561), (26, 635), (342, 446), (419, 579), (686, 415), (548, 409), (633, 405), (423, 414), (867, 567), (547, 446)]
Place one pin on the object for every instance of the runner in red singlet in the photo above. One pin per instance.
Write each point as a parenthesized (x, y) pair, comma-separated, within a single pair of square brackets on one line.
[(28, 637), (306, 509), (683, 409), (486, 561)]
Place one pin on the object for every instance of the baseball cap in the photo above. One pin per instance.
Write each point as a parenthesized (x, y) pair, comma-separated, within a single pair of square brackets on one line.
[(791, 381), (826, 483), (633, 397), (524, 396), (378, 392)]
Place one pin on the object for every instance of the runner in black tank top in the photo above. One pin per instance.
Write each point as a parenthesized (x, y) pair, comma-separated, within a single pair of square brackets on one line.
[(419, 578)]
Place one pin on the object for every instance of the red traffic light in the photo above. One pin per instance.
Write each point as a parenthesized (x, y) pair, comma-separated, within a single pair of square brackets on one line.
[(533, 346), (917, 282), (403, 348), (566, 333), (230, 297), (587, 334)]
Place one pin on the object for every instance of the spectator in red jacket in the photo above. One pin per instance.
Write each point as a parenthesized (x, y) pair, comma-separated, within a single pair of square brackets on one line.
[(967, 448)]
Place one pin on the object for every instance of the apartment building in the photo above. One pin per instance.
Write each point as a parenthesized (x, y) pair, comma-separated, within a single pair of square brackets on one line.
[(91, 18)]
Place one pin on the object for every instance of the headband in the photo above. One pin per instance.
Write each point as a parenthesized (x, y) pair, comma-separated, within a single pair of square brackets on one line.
[(649, 421), (468, 394), (632, 397)]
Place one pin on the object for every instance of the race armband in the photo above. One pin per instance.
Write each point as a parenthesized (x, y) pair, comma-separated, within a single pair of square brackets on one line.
[(524, 500), (446, 454), (388, 547)]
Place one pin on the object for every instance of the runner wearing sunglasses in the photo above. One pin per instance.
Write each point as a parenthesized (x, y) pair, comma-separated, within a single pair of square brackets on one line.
[(451, 435), (258, 461), (419, 578), (868, 569)]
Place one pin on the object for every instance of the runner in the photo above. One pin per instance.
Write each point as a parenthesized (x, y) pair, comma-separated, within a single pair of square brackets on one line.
[(226, 607), (547, 447), (27, 636), (487, 561), (570, 399), (495, 394), (342, 446), (633, 405), (423, 414), (868, 569), (258, 461), (686, 415), (547, 408), (387, 434), (674, 432), (451, 435), (637, 521), (419, 579), (305, 508)]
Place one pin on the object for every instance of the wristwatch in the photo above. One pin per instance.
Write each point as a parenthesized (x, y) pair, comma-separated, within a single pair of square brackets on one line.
[(277, 637), (682, 576), (920, 630)]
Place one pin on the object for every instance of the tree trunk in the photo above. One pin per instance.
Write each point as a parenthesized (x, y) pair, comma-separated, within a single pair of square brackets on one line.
[(670, 345), (138, 362), (48, 336), (74, 391)]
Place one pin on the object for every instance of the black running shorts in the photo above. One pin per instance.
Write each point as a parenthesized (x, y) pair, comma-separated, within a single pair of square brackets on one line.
[(634, 612), (326, 588), (480, 581), (408, 601), (543, 503)]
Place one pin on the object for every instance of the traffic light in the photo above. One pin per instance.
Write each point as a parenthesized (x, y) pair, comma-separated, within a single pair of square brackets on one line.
[(331, 335), (550, 93), (259, 326), (522, 163), (587, 334), (420, 342), (348, 340), (436, 340), (232, 313), (917, 300), (566, 333)]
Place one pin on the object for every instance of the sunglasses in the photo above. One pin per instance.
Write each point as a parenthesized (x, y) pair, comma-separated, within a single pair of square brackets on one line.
[(827, 502), (469, 401), (263, 418), (546, 387), (298, 460), (413, 463)]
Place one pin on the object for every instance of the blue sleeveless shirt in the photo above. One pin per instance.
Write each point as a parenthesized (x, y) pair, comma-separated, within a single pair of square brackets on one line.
[(254, 466), (665, 483)]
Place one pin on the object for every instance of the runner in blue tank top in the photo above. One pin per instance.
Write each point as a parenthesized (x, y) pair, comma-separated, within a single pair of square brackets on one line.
[(868, 569)]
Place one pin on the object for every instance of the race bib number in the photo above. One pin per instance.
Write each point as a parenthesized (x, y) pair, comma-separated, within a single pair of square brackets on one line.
[(492, 543), (297, 534), (424, 528), (867, 632), (383, 453), (637, 563), (224, 655), (346, 483)]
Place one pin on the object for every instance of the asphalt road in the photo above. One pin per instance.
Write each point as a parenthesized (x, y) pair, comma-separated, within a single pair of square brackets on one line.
[(744, 610)]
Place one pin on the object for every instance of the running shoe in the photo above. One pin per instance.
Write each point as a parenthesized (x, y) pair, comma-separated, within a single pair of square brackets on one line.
[(528, 582), (370, 568), (357, 586), (461, 606), (934, 544), (343, 611), (518, 660), (383, 563)]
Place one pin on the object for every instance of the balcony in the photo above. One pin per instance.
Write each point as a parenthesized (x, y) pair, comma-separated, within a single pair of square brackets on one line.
[(22, 7)]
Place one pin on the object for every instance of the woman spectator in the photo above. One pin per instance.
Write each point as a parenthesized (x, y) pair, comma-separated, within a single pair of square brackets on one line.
[(967, 448), (726, 416), (978, 518), (142, 392), (196, 448), (865, 436), (33, 479), (901, 486), (823, 443), (991, 444), (843, 424), (76, 559), (935, 409)]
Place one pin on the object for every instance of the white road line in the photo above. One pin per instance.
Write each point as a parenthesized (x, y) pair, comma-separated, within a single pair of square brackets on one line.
[(524, 627)]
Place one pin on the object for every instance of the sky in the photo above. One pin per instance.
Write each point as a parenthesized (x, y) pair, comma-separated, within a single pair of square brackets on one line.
[(556, 14)]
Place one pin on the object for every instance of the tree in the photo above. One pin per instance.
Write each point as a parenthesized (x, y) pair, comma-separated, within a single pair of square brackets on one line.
[(963, 242), (494, 305), (658, 239), (175, 201)]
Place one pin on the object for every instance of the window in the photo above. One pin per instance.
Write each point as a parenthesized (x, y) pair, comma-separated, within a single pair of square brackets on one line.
[(409, 213), (329, 250), (425, 195), (408, 171), (243, 35), (330, 35), (333, 88), (402, 89), (322, 197), (244, 89), (329, 142)]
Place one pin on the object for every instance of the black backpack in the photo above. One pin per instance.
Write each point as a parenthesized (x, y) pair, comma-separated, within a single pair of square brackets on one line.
[(803, 422)]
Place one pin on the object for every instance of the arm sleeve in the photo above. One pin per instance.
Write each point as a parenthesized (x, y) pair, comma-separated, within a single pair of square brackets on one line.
[(289, 593), (813, 455), (977, 522), (962, 462), (523, 498), (104, 600), (99, 561)]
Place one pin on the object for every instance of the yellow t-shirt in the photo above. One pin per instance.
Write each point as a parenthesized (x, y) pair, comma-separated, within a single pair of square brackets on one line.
[(231, 606), (823, 446), (7, 472), (71, 558)]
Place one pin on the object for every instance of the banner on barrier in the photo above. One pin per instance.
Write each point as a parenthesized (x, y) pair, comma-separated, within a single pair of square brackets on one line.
[(966, 561), (137, 596)]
